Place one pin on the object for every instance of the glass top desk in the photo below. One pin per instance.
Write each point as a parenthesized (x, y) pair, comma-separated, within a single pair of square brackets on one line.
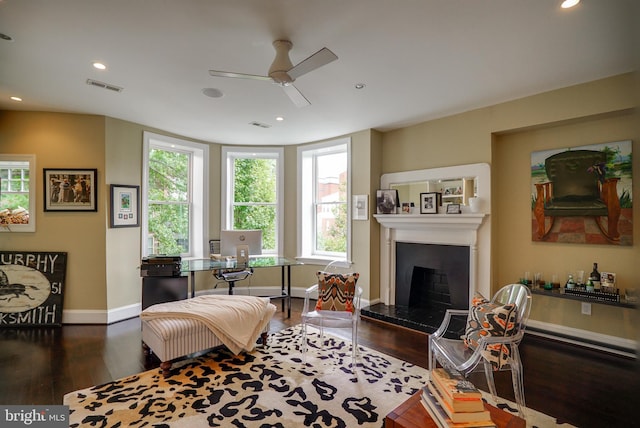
[(258, 262)]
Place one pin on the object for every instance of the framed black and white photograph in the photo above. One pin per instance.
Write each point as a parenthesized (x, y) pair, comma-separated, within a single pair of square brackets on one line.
[(453, 209), (70, 189), (386, 201), (429, 203), (125, 202)]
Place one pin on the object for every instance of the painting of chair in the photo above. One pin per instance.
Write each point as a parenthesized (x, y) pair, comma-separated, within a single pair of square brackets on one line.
[(577, 187)]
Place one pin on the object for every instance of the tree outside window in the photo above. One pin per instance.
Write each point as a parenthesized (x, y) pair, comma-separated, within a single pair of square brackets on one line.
[(174, 197), (255, 197), (168, 202), (251, 198), (331, 203), (323, 194)]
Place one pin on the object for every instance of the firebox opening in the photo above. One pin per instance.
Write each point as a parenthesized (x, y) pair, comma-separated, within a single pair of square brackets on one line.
[(429, 279)]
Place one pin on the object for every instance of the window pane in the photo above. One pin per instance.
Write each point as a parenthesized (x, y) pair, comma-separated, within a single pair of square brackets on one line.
[(14, 192), (257, 217), (169, 228), (168, 176), (331, 176), (331, 227), (254, 180)]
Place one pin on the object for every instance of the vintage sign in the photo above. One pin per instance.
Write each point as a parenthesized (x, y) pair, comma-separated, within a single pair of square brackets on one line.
[(31, 288)]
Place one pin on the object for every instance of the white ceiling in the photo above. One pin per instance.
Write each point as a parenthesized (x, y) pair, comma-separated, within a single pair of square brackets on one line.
[(419, 59)]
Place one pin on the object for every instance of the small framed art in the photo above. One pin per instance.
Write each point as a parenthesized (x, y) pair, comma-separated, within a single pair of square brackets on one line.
[(453, 209), (70, 189), (125, 202), (386, 201), (429, 202)]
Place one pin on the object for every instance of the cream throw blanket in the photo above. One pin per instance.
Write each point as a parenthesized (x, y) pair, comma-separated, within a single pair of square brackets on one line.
[(236, 320)]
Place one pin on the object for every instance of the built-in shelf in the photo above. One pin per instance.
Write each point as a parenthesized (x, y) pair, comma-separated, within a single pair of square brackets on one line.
[(558, 294)]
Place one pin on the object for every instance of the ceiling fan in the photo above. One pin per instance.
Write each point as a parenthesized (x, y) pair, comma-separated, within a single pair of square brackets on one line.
[(284, 73)]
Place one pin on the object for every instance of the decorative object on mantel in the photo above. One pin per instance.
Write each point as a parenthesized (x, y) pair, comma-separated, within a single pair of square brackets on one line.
[(386, 201), (453, 209), (31, 288), (70, 189), (125, 203), (475, 204), (582, 185), (429, 202)]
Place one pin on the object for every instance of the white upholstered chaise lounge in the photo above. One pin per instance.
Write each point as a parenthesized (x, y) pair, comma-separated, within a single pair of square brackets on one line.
[(176, 329)]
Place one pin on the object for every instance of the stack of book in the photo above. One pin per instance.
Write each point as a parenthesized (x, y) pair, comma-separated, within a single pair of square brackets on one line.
[(452, 401)]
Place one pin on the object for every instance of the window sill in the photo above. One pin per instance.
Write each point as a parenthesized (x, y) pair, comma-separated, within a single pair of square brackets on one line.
[(320, 261)]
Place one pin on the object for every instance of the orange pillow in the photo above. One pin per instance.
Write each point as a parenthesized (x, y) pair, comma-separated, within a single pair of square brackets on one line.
[(336, 291)]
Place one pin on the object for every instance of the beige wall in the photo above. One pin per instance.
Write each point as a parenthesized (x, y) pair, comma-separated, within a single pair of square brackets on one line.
[(516, 252), (505, 135), (63, 141)]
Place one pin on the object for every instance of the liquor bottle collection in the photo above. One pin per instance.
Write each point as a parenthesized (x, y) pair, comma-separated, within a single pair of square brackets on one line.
[(598, 285)]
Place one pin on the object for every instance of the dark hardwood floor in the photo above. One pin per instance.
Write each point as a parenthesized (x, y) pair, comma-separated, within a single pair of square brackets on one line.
[(583, 387)]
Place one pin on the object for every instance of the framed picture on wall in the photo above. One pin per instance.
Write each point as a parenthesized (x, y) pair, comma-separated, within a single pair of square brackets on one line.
[(70, 189), (125, 202)]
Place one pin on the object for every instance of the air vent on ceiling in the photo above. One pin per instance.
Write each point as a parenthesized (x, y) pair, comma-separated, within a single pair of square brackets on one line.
[(104, 85), (260, 125)]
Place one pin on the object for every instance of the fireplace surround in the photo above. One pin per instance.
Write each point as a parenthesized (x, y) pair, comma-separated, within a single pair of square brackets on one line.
[(467, 230)]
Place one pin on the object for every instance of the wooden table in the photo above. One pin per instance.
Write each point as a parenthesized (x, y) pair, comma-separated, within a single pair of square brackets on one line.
[(412, 414)]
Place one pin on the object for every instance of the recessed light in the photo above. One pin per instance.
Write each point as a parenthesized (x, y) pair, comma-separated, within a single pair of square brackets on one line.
[(279, 118), (566, 4), (16, 98), (360, 85), (213, 92), (99, 66)]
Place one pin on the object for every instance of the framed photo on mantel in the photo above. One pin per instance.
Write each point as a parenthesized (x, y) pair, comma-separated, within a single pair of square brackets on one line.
[(429, 202), (386, 201)]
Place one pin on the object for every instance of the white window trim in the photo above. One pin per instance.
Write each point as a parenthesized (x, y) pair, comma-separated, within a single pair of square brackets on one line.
[(199, 222), (305, 174), (231, 152)]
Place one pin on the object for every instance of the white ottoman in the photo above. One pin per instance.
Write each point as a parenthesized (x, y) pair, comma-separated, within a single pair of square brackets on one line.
[(171, 338)]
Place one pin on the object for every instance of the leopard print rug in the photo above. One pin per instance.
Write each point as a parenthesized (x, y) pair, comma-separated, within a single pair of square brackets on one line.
[(274, 386)]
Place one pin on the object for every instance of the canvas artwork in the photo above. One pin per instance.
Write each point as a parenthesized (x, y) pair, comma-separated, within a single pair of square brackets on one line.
[(31, 288), (583, 194)]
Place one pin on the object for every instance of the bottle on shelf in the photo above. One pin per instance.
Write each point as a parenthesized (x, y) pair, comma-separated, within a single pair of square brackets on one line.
[(570, 282), (594, 276)]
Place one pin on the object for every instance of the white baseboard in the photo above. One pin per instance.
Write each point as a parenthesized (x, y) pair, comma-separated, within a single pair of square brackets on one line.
[(97, 316), (603, 342)]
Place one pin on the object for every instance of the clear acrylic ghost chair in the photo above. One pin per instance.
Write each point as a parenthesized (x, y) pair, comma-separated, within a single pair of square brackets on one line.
[(454, 353), (339, 308)]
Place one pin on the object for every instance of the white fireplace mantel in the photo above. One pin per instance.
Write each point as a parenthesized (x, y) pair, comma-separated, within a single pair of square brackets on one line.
[(452, 222), (466, 229)]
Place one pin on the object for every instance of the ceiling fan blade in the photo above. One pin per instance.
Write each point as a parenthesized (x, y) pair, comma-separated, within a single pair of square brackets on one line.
[(216, 73), (322, 57), (296, 96)]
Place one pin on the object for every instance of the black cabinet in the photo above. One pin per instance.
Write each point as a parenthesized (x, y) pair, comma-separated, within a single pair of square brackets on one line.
[(161, 289)]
